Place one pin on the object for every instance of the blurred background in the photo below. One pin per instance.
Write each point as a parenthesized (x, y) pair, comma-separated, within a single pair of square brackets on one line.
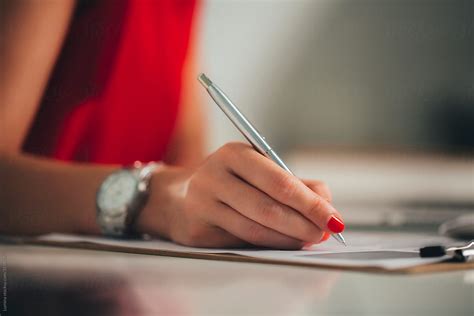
[(341, 72), (376, 98)]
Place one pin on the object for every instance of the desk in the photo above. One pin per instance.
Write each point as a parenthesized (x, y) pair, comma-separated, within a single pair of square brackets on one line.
[(56, 281)]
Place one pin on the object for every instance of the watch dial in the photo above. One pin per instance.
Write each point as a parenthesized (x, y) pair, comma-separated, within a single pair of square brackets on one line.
[(117, 191)]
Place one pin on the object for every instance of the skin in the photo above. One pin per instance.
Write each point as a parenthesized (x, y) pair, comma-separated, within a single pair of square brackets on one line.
[(234, 197)]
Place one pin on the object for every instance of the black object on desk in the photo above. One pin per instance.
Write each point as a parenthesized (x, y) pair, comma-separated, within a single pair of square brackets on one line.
[(458, 253)]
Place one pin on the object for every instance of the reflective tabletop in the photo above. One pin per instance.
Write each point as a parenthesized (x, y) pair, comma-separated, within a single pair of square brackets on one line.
[(39, 280)]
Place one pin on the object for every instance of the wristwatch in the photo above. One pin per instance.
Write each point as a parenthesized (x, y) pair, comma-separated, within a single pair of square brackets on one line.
[(121, 197)]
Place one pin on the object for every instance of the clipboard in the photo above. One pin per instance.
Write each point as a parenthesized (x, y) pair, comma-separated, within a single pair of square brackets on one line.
[(442, 266)]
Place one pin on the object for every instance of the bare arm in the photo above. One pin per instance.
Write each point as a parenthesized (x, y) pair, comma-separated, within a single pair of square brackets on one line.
[(43, 195), (234, 197), (32, 33), (38, 195), (188, 143)]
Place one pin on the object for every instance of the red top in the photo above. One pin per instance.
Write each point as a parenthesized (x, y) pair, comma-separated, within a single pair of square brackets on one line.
[(113, 95)]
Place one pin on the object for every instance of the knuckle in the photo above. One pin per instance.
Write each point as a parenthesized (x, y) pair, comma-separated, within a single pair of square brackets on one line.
[(315, 207), (227, 152), (231, 148), (269, 210), (286, 186), (238, 145), (224, 151), (255, 234)]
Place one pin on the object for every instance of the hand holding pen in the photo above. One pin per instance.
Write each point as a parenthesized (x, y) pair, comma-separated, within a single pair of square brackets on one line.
[(240, 195), (334, 224)]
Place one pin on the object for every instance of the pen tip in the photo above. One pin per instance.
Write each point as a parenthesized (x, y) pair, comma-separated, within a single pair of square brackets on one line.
[(204, 80), (343, 241), (340, 239)]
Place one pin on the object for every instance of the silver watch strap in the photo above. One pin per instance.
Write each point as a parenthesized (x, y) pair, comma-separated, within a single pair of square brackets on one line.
[(121, 226)]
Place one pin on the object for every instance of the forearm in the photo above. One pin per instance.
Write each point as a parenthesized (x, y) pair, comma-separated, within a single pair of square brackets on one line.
[(42, 195), (31, 36)]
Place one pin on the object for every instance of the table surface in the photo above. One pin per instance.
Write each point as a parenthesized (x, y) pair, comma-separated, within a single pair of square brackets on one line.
[(39, 280)]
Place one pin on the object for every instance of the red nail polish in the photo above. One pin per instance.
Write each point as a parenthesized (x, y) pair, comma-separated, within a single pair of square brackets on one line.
[(335, 225)]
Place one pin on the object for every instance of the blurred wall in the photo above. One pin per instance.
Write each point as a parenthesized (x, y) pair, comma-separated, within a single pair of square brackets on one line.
[(369, 73)]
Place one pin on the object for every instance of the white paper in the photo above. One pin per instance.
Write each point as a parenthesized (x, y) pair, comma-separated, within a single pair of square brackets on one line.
[(363, 250)]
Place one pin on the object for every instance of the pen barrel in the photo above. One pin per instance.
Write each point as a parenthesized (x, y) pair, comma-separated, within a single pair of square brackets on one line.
[(244, 125)]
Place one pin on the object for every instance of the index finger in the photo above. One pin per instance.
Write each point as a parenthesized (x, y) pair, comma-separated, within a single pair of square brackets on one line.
[(284, 187)]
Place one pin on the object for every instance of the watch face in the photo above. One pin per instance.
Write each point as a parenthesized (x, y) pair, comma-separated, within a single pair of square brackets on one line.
[(116, 192)]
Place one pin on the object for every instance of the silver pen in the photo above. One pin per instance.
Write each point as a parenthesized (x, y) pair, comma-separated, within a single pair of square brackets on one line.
[(246, 128)]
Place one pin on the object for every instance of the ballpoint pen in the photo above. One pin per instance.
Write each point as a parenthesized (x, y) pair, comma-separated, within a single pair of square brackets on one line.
[(246, 128)]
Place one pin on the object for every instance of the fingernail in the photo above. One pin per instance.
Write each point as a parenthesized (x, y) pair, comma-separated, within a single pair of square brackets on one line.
[(325, 237), (335, 225)]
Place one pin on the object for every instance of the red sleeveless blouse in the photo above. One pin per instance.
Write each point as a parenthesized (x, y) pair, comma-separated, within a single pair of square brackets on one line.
[(114, 93)]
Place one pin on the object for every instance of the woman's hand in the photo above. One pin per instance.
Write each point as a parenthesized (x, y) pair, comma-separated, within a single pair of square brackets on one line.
[(238, 197)]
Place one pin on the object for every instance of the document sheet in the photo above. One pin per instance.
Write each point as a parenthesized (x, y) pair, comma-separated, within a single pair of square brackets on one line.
[(365, 249)]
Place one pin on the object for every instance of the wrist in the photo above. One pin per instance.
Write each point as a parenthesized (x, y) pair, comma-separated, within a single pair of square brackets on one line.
[(164, 201), (85, 218)]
